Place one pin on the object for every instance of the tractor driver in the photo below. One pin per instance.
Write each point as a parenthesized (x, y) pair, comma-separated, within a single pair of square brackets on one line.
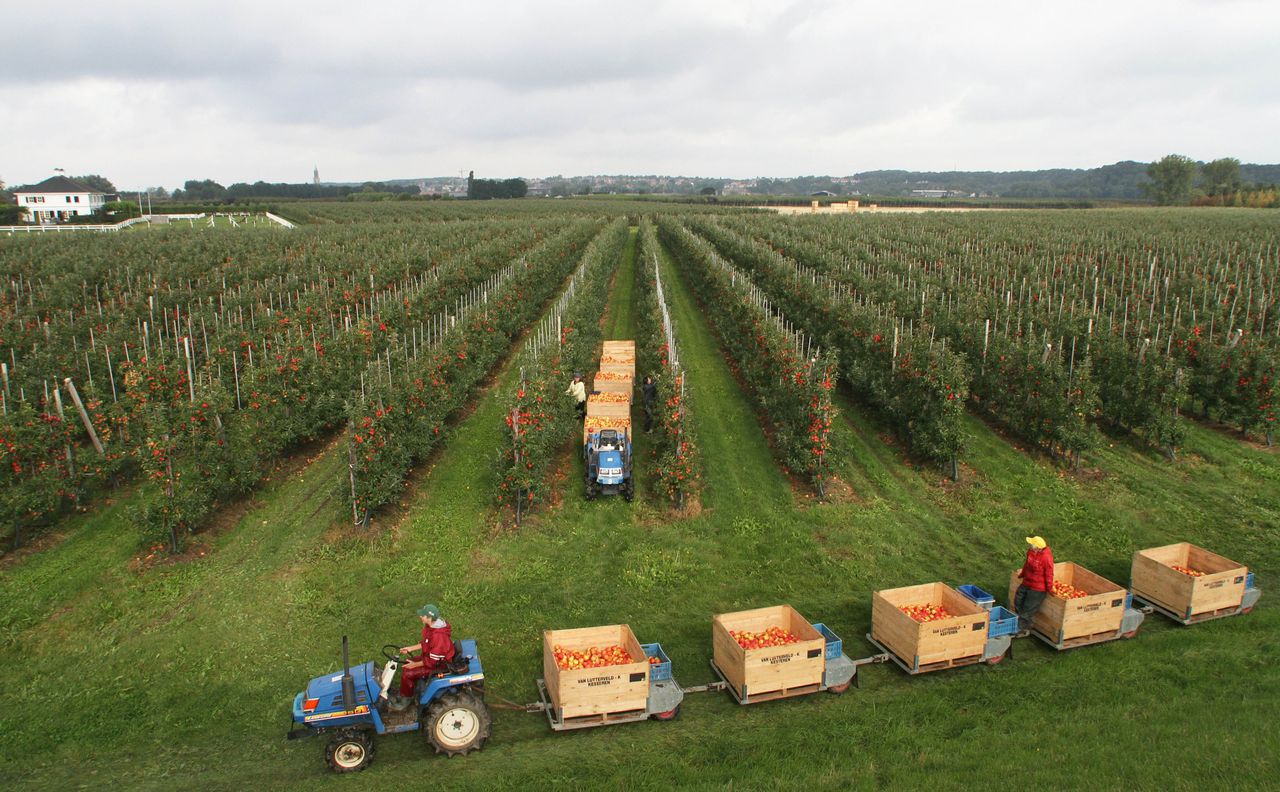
[(436, 649)]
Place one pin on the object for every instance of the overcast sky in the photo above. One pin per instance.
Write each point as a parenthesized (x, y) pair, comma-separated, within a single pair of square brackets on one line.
[(151, 93)]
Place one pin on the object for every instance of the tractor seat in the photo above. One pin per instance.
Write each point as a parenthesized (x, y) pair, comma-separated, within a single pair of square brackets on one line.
[(460, 663)]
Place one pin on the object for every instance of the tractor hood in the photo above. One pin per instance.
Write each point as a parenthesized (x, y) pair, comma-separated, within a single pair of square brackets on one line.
[(609, 467), (322, 700)]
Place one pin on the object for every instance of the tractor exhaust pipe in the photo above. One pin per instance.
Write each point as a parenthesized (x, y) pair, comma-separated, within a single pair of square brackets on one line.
[(348, 686)]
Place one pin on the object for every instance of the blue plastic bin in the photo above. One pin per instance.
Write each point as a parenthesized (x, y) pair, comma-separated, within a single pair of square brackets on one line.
[(1003, 622), (834, 646), (1248, 581), (984, 600), (660, 670)]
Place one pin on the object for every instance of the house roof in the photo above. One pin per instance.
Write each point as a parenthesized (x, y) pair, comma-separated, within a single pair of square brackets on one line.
[(56, 184)]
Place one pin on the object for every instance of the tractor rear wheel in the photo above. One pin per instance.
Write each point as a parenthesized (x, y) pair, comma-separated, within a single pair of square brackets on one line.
[(350, 751), (457, 722)]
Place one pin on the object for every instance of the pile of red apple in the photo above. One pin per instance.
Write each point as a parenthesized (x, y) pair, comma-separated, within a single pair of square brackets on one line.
[(774, 636), (926, 613), (593, 657), (1067, 591), (1188, 571)]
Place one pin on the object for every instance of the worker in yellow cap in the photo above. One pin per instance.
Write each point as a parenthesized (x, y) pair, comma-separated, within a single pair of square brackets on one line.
[(1037, 581)]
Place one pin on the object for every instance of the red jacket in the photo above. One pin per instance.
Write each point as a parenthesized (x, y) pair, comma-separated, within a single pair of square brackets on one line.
[(1037, 572), (437, 644)]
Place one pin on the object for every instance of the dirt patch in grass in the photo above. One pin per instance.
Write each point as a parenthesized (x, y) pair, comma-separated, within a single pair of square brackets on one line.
[(1085, 474), (838, 553), (37, 544), (484, 565), (969, 477)]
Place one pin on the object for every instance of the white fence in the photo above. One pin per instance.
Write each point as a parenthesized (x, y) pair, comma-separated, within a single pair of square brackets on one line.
[(35, 228)]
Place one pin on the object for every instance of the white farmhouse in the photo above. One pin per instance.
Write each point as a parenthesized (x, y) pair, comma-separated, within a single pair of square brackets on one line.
[(58, 198)]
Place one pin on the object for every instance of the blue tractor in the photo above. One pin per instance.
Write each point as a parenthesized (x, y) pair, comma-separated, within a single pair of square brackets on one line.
[(608, 463), (352, 706)]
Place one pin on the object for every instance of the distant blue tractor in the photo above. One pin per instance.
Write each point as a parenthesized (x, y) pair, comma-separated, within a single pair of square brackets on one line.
[(352, 706), (608, 463)]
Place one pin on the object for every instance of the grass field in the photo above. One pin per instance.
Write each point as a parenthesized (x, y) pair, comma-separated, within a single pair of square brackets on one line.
[(181, 675)]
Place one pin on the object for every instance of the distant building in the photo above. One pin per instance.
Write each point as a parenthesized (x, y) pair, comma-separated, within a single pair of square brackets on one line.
[(315, 175), (58, 198), (929, 193)]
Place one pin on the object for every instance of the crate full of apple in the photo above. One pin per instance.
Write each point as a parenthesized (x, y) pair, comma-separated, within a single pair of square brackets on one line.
[(595, 670), (768, 650), (928, 626), (1080, 604), (1188, 580)]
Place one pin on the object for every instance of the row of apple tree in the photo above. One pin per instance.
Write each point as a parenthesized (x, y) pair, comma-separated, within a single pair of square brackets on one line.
[(540, 415), (1069, 321), (200, 370), (677, 463), (788, 376)]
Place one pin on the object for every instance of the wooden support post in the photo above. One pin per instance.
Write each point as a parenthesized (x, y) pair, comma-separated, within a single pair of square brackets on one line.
[(84, 414)]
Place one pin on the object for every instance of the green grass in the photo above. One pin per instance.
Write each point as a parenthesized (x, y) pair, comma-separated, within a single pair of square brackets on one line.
[(181, 676)]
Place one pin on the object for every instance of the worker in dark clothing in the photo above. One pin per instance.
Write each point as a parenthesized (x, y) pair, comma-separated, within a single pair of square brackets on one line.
[(578, 390), (436, 649), (1037, 581), (649, 398)]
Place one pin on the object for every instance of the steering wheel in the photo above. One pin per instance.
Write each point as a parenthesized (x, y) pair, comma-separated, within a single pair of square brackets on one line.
[(391, 652)]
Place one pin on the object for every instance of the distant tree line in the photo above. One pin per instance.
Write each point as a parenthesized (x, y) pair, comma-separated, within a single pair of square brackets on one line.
[(1177, 180), (209, 190), (485, 189)]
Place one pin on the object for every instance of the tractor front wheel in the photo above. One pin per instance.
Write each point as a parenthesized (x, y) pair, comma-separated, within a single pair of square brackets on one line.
[(591, 490), (457, 722), (350, 751)]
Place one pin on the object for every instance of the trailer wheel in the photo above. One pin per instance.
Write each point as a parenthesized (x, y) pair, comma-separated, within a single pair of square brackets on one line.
[(350, 751), (669, 715), (838, 689), (457, 722)]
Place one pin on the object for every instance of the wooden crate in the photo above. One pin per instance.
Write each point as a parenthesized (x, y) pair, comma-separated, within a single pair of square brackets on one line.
[(1065, 620), (929, 646), (619, 349), (588, 692), (613, 385), (610, 416), (629, 369), (796, 667), (1155, 580)]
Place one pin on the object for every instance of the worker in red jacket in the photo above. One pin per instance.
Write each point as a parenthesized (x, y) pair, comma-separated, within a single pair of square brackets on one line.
[(1037, 581), (436, 649)]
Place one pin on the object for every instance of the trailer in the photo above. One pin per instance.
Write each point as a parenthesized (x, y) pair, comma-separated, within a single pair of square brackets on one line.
[(997, 625), (1190, 585), (665, 695), (1101, 611), (606, 430)]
